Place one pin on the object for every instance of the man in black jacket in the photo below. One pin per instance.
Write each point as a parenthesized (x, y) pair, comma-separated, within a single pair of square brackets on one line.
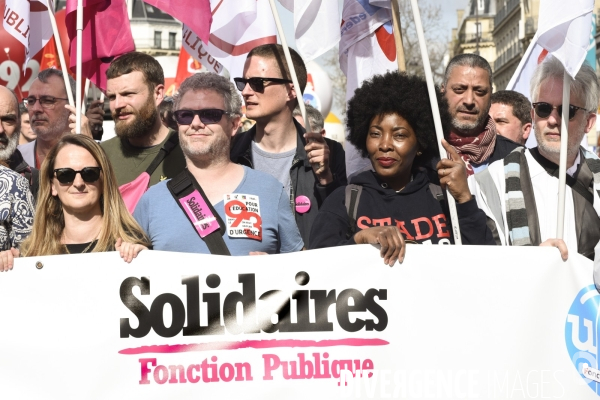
[(467, 87), (277, 144)]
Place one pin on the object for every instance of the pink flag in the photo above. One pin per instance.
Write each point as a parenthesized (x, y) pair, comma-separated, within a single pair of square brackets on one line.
[(195, 14), (106, 35)]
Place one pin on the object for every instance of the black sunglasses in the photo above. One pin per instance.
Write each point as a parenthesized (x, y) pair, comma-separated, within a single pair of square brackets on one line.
[(207, 116), (543, 110), (88, 174), (257, 84)]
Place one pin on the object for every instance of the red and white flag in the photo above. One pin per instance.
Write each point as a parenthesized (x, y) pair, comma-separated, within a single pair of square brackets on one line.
[(316, 25), (106, 35), (186, 67), (28, 22), (238, 26), (367, 48), (563, 32)]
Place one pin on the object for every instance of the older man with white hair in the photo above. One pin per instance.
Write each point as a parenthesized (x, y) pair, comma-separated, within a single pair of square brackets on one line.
[(520, 193)]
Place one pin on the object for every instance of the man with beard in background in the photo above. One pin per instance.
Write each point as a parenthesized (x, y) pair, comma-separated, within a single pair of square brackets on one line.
[(10, 128), (135, 88), (467, 87), (27, 134)]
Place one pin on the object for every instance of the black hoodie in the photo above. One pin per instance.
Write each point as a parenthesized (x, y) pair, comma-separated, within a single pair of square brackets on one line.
[(417, 213)]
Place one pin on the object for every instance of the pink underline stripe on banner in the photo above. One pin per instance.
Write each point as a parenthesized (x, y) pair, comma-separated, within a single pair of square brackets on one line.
[(252, 344)]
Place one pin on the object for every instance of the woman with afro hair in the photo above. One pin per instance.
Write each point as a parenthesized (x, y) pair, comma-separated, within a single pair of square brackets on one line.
[(390, 121)]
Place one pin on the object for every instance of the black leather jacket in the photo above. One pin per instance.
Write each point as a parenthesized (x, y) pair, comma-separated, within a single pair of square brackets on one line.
[(304, 180)]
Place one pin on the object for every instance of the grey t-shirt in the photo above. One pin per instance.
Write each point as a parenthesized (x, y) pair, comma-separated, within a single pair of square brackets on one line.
[(275, 164)]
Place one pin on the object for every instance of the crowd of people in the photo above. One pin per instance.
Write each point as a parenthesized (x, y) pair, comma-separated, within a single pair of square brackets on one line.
[(182, 174)]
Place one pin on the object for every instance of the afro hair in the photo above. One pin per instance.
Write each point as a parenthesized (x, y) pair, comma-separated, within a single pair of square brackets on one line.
[(396, 93)]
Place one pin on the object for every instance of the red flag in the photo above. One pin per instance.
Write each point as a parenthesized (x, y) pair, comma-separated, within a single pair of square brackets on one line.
[(195, 14), (50, 56), (106, 35), (186, 67)]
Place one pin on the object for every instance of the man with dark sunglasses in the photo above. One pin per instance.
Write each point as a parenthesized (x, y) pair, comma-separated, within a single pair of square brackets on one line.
[(528, 178), (307, 164), (215, 201)]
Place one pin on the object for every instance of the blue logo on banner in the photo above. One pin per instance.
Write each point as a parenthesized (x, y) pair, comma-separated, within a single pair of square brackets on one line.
[(581, 335)]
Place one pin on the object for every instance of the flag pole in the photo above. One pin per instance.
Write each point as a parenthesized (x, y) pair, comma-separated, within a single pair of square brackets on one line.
[(398, 36), (436, 112), (562, 167), (79, 28), (61, 56), (85, 95), (288, 58)]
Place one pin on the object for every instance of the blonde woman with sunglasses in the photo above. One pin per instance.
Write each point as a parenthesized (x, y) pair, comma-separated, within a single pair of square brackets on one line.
[(79, 208)]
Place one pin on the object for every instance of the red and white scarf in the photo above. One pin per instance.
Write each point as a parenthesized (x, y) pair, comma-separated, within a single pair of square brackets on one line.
[(475, 149)]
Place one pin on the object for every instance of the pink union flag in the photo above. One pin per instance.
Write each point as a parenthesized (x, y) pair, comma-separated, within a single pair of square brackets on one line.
[(196, 14), (106, 35)]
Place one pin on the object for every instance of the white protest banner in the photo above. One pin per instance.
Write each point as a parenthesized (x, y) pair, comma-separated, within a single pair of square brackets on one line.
[(487, 323)]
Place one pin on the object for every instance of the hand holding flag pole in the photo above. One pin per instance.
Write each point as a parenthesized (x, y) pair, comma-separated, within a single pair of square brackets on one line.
[(436, 112)]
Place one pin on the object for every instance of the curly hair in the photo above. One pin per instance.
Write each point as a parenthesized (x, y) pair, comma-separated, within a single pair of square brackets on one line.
[(396, 93)]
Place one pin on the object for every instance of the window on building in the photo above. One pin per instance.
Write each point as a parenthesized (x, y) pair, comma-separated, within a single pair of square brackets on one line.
[(157, 39), (172, 37), (480, 5)]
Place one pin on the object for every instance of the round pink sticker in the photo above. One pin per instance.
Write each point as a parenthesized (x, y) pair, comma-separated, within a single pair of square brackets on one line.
[(302, 204)]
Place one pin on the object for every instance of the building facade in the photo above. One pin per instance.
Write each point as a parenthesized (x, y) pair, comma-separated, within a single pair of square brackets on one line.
[(474, 32), (154, 32), (515, 25)]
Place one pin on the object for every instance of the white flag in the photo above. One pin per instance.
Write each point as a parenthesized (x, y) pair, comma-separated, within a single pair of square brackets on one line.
[(28, 22), (316, 26), (237, 27), (367, 48), (563, 32)]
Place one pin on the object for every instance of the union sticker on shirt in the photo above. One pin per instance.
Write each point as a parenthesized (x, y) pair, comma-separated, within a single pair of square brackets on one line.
[(243, 216)]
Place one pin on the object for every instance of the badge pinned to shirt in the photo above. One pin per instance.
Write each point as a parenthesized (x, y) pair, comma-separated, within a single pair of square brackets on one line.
[(243, 216)]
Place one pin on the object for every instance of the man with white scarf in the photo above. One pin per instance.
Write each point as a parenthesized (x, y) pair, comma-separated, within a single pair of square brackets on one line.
[(519, 194)]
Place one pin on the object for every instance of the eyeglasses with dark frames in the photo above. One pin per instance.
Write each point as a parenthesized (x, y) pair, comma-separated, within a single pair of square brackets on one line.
[(88, 174), (543, 109), (257, 84), (207, 116), (46, 102)]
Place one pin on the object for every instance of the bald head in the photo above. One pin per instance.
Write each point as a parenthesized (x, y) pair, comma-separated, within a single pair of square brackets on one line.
[(7, 95), (10, 122)]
